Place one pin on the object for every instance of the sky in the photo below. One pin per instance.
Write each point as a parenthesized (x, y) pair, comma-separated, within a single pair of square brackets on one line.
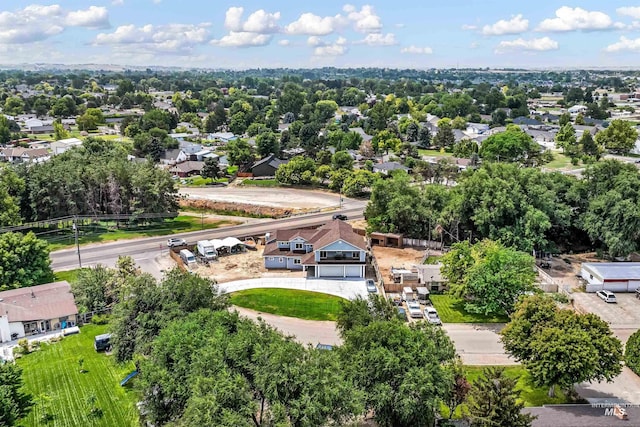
[(304, 34)]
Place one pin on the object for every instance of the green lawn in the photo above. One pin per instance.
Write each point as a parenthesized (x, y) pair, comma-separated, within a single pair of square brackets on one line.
[(290, 303), (451, 310), (434, 153), (261, 182), (529, 393), (560, 161), (102, 233), (198, 181), (69, 275), (54, 371), (432, 259)]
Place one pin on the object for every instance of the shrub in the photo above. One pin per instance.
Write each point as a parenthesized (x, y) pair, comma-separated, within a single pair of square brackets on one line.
[(100, 319), (561, 298), (24, 345), (632, 352)]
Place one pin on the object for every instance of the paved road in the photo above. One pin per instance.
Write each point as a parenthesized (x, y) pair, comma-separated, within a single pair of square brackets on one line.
[(141, 249)]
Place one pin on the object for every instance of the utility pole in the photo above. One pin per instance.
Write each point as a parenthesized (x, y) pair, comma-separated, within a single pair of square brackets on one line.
[(75, 230), (202, 220)]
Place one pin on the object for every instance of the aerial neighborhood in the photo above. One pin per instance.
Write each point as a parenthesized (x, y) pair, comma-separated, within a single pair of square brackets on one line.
[(240, 245)]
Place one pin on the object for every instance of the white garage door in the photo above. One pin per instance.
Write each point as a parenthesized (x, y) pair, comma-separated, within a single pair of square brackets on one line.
[(330, 271), (354, 271), (617, 286)]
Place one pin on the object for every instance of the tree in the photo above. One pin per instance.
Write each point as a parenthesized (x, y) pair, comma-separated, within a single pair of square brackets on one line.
[(566, 139), (465, 148), (620, 137), (400, 369), (588, 145), (424, 137), (499, 117), (5, 131), (216, 119), (90, 289), (413, 131), (495, 401), (341, 160), (560, 347), (358, 183), (14, 402), (564, 119), (495, 278), (299, 170), (361, 312), (64, 107), (59, 132), (24, 261), (239, 152), (445, 137), (211, 168), (513, 145), (11, 188), (632, 352), (267, 143), (460, 387)]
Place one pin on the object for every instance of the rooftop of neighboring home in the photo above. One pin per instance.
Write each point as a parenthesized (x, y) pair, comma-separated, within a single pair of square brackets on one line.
[(614, 270), (49, 301)]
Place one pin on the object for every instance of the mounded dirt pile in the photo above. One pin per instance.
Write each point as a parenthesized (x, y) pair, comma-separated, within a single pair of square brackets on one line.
[(239, 209)]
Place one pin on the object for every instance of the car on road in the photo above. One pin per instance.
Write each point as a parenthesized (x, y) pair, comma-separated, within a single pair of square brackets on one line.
[(402, 314), (607, 296), (341, 217), (431, 314), (371, 287), (413, 307), (174, 241)]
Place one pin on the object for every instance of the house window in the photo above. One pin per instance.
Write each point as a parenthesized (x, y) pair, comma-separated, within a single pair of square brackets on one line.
[(280, 260), (323, 254), (355, 255), (296, 261), (271, 258), (435, 288), (299, 246)]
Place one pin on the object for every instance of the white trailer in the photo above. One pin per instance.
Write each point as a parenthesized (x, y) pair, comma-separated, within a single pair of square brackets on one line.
[(206, 250)]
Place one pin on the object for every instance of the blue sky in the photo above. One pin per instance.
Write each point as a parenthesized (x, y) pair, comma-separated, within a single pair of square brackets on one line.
[(278, 33)]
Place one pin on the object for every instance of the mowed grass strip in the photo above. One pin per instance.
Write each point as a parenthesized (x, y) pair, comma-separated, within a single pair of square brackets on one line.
[(288, 302), (451, 310), (54, 371)]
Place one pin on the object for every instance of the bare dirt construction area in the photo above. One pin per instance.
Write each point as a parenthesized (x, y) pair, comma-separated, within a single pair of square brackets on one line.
[(244, 265), (564, 269), (286, 198), (394, 257)]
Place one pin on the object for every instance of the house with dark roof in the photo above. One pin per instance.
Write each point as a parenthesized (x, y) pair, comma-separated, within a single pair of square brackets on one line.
[(266, 166), (333, 250), (187, 168), (36, 309)]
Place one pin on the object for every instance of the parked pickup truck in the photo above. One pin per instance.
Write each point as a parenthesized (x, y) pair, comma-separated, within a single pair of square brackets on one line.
[(413, 307)]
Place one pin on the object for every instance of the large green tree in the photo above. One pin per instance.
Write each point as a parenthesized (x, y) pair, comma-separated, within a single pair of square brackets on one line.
[(632, 352), (513, 145), (494, 278), (24, 261), (619, 137), (560, 347), (11, 188), (566, 139), (14, 402)]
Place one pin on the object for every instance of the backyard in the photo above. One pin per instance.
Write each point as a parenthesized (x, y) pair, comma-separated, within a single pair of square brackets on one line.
[(290, 303), (65, 396), (451, 310)]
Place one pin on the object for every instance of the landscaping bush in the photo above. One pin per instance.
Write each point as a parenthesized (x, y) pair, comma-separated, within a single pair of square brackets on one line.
[(100, 319), (23, 344), (632, 352), (561, 298)]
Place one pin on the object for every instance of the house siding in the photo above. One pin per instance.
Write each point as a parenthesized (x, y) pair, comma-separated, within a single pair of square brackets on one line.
[(275, 262)]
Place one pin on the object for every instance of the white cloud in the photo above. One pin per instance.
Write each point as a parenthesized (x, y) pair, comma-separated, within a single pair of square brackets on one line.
[(315, 41), (365, 20), (314, 25), (36, 22), (474, 45), (157, 1), (95, 17), (378, 39), (532, 45), (415, 50), (171, 38), (571, 19), (624, 44), (259, 21), (516, 25), (330, 50), (468, 27), (284, 42), (117, 2), (632, 11), (243, 39)]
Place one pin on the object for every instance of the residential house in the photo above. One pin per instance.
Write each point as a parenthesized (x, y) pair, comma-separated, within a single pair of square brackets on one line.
[(188, 168), (365, 137), (223, 137), (577, 109), (429, 275), (173, 156), (292, 152), (59, 147), (387, 168), (333, 250), (28, 311), (266, 166), (24, 155), (189, 127), (526, 121)]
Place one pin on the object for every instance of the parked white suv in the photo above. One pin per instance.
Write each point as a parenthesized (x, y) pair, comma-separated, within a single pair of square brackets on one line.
[(174, 242), (607, 296), (431, 315), (413, 307)]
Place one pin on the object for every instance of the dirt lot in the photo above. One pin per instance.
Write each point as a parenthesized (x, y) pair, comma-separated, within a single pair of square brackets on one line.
[(565, 272), (394, 257), (285, 198), (246, 265)]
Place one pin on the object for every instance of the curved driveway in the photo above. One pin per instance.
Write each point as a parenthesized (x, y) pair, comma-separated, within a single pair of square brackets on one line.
[(343, 288)]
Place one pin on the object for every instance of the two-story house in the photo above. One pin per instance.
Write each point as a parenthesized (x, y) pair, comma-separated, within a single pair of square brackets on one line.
[(333, 250)]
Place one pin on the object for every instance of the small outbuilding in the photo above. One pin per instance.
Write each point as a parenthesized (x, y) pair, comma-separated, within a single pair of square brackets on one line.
[(611, 276)]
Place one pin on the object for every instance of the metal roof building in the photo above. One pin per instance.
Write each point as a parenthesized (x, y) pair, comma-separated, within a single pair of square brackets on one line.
[(612, 276)]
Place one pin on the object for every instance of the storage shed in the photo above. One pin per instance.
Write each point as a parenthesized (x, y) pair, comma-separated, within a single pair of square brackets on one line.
[(611, 276)]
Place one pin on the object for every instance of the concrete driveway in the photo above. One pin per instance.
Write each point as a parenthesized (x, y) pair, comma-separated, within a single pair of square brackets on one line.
[(343, 288), (625, 314), (479, 344)]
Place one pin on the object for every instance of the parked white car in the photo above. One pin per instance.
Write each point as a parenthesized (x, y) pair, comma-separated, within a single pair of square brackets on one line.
[(607, 296), (413, 307), (431, 315)]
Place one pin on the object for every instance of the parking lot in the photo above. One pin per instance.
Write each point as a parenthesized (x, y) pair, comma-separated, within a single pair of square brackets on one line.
[(623, 314)]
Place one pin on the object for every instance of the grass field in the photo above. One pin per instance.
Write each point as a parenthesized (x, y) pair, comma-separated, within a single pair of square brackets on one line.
[(451, 310), (560, 161), (52, 375), (261, 182), (198, 181), (434, 153), (290, 303), (529, 393), (102, 233), (70, 275)]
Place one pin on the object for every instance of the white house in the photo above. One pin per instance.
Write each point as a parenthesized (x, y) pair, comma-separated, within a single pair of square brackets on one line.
[(59, 147), (611, 276)]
